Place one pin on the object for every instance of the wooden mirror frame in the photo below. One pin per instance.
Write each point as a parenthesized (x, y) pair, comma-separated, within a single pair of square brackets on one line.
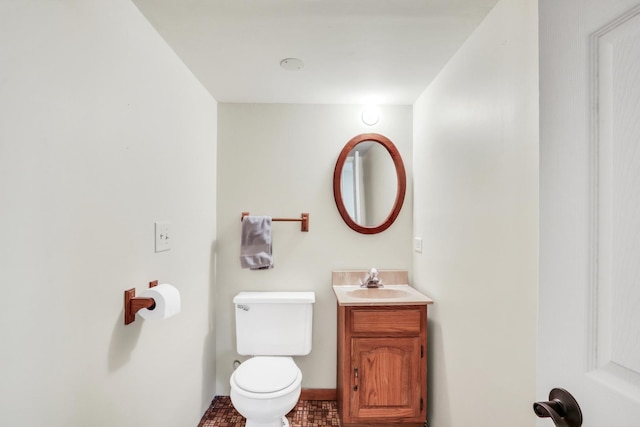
[(401, 178)]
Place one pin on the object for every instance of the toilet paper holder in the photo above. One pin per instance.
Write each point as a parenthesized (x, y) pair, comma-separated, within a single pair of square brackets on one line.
[(133, 304)]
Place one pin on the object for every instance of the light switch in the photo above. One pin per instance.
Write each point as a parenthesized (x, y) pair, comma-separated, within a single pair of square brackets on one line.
[(163, 236)]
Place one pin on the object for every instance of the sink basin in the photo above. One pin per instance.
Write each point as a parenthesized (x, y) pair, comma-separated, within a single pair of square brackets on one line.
[(396, 290), (388, 295), (374, 293)]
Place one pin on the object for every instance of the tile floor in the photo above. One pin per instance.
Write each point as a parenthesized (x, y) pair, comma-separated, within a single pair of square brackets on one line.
[(307, 413)]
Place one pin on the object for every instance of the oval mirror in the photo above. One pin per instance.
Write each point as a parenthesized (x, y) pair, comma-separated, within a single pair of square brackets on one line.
[(369, 183)]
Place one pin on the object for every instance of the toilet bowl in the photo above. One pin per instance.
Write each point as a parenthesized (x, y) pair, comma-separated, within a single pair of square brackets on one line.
[(264, 389)]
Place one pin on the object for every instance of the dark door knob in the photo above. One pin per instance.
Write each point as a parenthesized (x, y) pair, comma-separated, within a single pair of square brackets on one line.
[(561, 407)]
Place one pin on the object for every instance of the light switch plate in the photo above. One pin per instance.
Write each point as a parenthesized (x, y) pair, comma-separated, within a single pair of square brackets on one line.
[(163, 236)]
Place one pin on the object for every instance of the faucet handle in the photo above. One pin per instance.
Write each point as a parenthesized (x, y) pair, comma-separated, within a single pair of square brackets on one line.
[(373, 281)]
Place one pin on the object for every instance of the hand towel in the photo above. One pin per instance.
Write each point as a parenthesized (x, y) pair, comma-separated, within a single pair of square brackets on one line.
[(255, 243)]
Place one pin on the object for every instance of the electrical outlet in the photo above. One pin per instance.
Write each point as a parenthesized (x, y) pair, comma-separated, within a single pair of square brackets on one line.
[(163, 236), (417, 244)]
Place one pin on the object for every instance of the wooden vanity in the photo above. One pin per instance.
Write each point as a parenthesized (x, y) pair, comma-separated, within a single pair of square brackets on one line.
[(382, 356)]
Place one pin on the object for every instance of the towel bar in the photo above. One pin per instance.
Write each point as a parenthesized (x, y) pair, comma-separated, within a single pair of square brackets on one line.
[(304, 220)]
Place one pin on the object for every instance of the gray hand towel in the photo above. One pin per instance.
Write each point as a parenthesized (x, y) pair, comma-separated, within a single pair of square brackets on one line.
[(255, 243)]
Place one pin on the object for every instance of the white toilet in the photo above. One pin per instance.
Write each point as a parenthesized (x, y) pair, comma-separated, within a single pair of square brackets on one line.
[(271, 327)]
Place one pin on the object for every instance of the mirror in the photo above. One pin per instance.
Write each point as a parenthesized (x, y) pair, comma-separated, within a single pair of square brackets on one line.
[(369, 183)]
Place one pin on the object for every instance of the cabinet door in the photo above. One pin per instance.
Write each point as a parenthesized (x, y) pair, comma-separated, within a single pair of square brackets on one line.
[(387, 377)]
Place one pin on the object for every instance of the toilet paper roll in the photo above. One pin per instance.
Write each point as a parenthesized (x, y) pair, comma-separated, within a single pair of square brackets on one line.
[(167, 300)]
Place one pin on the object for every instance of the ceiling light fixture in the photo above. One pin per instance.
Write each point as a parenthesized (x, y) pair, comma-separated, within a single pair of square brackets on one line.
[(370, 115), (292, 64)]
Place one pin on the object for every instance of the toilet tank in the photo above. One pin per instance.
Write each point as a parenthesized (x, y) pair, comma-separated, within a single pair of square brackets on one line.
[(274, 323)]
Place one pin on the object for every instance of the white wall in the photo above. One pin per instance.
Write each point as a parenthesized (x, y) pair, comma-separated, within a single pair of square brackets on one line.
[(475, 206), (278, 160), (103, 131)]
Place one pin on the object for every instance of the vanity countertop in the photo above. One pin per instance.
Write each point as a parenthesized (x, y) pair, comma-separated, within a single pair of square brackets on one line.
[(351, 295)]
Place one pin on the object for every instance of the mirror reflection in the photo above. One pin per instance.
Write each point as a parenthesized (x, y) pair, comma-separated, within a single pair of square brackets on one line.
[(368, 183)]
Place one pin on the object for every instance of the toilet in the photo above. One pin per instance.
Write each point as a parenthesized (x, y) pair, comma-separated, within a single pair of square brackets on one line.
[(271, 327)]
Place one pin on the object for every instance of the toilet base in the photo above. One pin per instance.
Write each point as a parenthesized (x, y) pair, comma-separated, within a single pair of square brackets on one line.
[(284, 422)]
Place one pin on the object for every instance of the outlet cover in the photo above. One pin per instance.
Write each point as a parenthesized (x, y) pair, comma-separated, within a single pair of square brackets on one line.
[(417, 244)]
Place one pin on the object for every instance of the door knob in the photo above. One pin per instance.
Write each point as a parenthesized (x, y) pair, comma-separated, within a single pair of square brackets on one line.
[(561, 407)]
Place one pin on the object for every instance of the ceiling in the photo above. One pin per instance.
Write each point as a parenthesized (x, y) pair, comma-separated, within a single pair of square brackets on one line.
[(354, 51)]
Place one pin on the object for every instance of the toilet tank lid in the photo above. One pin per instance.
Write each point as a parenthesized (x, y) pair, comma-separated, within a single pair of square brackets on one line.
[(275, 297)]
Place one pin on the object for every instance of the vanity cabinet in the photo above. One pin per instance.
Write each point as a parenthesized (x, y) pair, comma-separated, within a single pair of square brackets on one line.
[(382, 366)]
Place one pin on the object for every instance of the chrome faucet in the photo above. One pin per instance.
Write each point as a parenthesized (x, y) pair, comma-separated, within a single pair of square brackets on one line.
[(372, 281)]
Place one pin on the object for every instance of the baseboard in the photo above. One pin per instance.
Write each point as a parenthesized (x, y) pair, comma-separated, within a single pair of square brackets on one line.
[(318, 394)]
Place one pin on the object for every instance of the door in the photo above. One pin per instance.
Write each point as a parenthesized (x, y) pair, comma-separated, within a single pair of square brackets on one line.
[(589, 282), (387, 377)]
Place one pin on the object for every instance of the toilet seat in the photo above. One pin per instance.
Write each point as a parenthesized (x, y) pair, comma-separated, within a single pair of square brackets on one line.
[(264, 374)]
